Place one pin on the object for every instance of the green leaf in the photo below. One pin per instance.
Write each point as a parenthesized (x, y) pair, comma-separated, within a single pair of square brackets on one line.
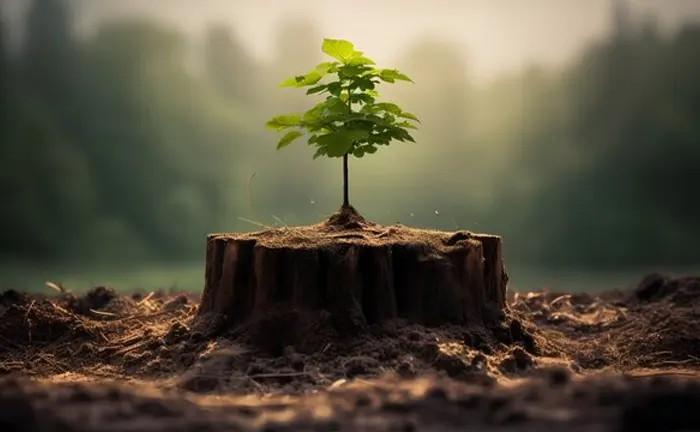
[(325, 67), (389, 107), (376, 120), (406, 125), (369, 109), (361, 97), (283, 122), (321, 151), (360, 123), (358, 152), (401, 135), (336, 105), (339, 143), (382, 138), (363, 150), (353, 72), (317, 89), (310, 78), (315, 113), (291, 82), (391, 75), (338, 49), (288, 138), (360, 61), (366, 84), (334, 88), (408, 115)]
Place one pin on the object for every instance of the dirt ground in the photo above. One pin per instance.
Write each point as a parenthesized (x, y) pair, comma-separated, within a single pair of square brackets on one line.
[(617, 361)]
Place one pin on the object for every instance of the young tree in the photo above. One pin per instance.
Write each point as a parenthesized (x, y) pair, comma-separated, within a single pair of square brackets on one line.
[(349, 121)]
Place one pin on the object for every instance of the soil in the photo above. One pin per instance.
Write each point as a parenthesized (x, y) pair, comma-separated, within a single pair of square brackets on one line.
[(614, 361)]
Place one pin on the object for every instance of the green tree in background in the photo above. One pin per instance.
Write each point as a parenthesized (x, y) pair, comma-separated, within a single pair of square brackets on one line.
[(112, 141), (155, 121), (627, 201), (447, 112), (4, 82), (49, 52), (44, 178), (295, 48), (229, 67), (295, 42), (115, 147)]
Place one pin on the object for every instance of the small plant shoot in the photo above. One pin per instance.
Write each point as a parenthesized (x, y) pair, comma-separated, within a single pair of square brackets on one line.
[(350, 121)]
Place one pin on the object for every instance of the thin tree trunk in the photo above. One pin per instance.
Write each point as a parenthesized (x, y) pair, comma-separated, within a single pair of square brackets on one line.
[(346, 200)]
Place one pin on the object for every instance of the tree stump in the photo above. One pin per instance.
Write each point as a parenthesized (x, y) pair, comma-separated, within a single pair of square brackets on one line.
[(359, 272)]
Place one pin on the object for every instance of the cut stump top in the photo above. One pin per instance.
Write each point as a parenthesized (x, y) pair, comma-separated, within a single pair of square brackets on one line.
[(349, 227)]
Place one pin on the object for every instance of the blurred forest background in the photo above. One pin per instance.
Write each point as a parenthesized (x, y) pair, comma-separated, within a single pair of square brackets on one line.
[(122, 147)]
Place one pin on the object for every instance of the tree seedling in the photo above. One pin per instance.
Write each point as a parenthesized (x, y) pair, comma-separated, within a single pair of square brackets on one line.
[(349, 121)]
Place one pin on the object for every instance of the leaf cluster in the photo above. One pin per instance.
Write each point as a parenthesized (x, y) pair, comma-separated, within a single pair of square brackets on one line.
[(334, 128)]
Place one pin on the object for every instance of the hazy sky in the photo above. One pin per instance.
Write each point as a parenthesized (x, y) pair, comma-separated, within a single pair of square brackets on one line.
[(495, 34)]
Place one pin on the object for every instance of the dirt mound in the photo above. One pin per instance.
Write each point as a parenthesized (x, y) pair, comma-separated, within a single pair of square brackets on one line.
[(655, 324), (554, 360), (36, 321), (678, 292), (295, 353), (667, 328), (97, 299), (102, 334)]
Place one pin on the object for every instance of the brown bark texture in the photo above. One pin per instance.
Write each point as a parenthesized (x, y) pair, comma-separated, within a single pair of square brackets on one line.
[(359, 272)]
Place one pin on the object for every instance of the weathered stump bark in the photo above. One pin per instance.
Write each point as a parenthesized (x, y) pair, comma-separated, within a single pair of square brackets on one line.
[(360, 272)]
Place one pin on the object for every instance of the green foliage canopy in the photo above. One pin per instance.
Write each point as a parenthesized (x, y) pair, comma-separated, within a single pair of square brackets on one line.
[(333, 127)]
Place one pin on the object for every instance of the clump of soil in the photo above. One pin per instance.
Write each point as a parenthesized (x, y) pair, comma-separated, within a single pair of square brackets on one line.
[(564, 361), (97, 299), (347, 218)]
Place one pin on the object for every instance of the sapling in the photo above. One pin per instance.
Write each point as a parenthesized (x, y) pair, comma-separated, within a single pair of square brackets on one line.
[(350, 121)]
